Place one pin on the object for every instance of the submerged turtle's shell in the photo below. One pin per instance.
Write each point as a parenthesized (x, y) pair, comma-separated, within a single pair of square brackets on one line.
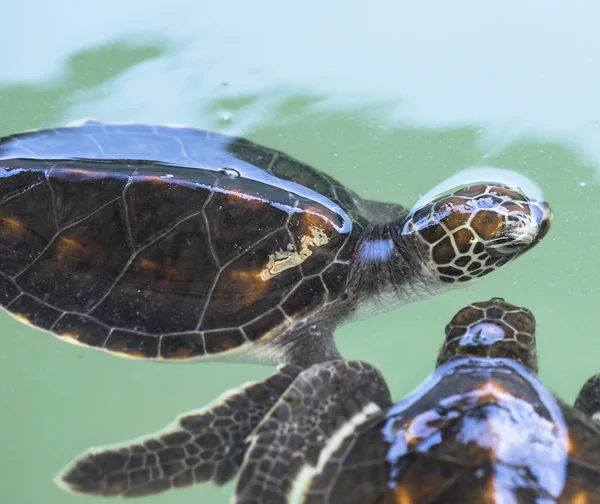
[(145, 240), (482, 428), (477, 431)]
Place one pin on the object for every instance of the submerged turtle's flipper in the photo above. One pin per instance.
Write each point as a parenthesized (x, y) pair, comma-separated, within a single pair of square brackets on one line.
[(289, 445), (201, 446), (588, 399)]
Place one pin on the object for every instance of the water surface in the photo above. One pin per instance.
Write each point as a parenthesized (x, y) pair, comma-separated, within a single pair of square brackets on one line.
[(390, 98)]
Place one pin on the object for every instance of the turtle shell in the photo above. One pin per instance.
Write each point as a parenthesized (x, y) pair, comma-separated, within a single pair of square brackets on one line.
[(478, 430), (165, 242), (481, 429)]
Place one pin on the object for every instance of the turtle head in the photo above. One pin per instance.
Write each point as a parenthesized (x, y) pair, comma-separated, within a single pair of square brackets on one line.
[(491, 329), (477, 229)]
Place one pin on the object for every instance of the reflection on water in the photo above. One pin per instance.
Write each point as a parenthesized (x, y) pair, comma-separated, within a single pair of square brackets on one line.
[(475, 174), (389, 102), (514, 68), (82, 77)]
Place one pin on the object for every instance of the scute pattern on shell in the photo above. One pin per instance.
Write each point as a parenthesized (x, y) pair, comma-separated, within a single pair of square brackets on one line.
[(140, 240)]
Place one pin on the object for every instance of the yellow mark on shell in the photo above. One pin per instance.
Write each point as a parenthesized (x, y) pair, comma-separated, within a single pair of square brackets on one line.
[(402, 495), (285, 259), (270, 334), (127, 355), (13, 225), (492, 388), (148, 264), (69, 247), (72, 339), (490, 493), (86, 173), (153, 179), (409, 436), (167, 273), (250, 278), (581, 497), (311, 218), (180, 354), (570, 446), (250, 201), (22, 318), (68, 336)]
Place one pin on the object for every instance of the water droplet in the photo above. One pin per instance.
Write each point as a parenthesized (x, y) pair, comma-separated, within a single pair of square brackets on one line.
[(230, 172), (582, 184)]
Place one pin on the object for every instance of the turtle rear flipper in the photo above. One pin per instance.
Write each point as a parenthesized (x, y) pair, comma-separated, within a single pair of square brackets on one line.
[(289, 446), (588, 399), (207, 445)]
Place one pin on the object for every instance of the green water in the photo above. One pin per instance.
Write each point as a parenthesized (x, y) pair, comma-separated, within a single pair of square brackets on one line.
[(387, 97)]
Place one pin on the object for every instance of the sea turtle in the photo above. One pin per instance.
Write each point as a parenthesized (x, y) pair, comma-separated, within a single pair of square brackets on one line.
[(481, 429), (172, 243)]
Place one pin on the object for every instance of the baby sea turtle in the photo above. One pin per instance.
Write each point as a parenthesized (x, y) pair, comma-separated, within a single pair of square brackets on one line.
[(482, 428), (173, 243)]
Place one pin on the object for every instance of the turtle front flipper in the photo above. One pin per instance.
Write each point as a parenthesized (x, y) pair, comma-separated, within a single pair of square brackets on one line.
[(207, 445), (316, 413), (588, 399)]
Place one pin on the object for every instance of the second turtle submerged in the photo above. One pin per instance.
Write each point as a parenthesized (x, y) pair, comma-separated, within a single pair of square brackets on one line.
[(482, 428)]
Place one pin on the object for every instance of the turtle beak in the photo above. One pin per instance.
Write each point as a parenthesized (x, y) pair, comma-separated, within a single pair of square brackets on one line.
[(526, 231), (544, 220), (543, 216)]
